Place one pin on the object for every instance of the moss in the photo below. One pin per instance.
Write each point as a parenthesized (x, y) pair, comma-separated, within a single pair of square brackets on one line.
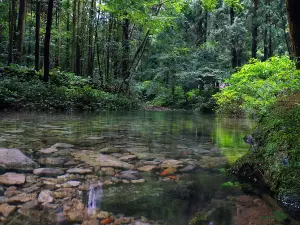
[(275, 158)]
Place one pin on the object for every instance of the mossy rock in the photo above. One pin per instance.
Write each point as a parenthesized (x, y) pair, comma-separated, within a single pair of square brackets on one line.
[(274, 159)]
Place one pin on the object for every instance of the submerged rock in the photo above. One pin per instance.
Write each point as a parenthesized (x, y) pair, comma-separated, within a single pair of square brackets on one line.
[(14, 159), (22, 198), (95, 159), (171, 163), (79, 171), (12, 178), (62, 145), (45, 196), (48, 172), (6, 210)]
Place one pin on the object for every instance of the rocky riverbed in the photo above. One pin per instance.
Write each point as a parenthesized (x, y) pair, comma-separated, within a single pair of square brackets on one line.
[(116, 170)]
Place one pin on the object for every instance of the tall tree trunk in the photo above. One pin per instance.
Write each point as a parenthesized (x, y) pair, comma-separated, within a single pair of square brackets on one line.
[(110, 22), (58, 40), (47, 42), (21, 29), (126, 52), (234, 55), (37, 34), (74, 37), (270, 46), (67, 59), (78, 53), (293, 8), (91, 38), (266, 49), (12, 23), (254, 28)]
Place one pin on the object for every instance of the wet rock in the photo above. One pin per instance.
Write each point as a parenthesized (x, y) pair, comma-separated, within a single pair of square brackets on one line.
[(47, 172), (79, 171), (32, 188), (72, 183), (208, 162), (15, 159), (71, 163), (115, 180), (110, 150), (145, 155), (141, 223), (103, 215), (168, 171), (94, 159), (22, 198), (62, 145), (128, 175), (63, 193), (48, 150), (148, 168), (31, 179), (109, 171), (124, 220), (3, 199), (138, 181), (75, 211), (25, 208), (11, 191), (6, 210), (45, 196), (291, 203), (171, 163), (188, 168), (91, 222), (154, 163), (12, 178), (52, 161), (127, 158)]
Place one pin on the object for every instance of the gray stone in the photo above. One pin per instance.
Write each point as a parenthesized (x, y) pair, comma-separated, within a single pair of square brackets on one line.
[(15, 159), (12, 178), (62, 145), (48, 172), (45, 196), (171, 163), (79, 171), (95, 159)]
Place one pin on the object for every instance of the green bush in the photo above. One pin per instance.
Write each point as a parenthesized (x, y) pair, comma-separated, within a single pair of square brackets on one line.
[(257, 85), (21, 88)]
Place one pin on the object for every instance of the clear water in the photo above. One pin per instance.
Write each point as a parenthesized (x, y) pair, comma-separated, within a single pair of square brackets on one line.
[(213, 142)]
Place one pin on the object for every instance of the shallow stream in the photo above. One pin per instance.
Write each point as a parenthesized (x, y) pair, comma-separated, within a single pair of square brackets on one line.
[(201, 146)]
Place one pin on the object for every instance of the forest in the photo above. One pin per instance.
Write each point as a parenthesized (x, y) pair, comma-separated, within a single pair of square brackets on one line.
[(149, 112), (93, 55)]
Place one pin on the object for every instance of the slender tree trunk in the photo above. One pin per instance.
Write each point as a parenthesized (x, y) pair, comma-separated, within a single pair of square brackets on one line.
[(270, 46), (67, 59), (12, 23), (78, 52), (21, 29), (108, 50), (47, 42), (126, 52), (91, 33), (74, 37), (293, 8), (58, 40), (254, 28), (234, 55), (37, 34)]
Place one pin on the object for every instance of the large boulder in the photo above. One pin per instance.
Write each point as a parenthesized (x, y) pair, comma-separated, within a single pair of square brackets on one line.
[(14, 159)]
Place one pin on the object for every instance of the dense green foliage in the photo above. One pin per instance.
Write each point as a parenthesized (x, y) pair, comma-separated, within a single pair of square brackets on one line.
[(257, 85), (21, 88)]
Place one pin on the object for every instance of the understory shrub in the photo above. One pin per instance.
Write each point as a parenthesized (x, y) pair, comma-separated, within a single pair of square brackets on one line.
[(257, 85), (21, 88)]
